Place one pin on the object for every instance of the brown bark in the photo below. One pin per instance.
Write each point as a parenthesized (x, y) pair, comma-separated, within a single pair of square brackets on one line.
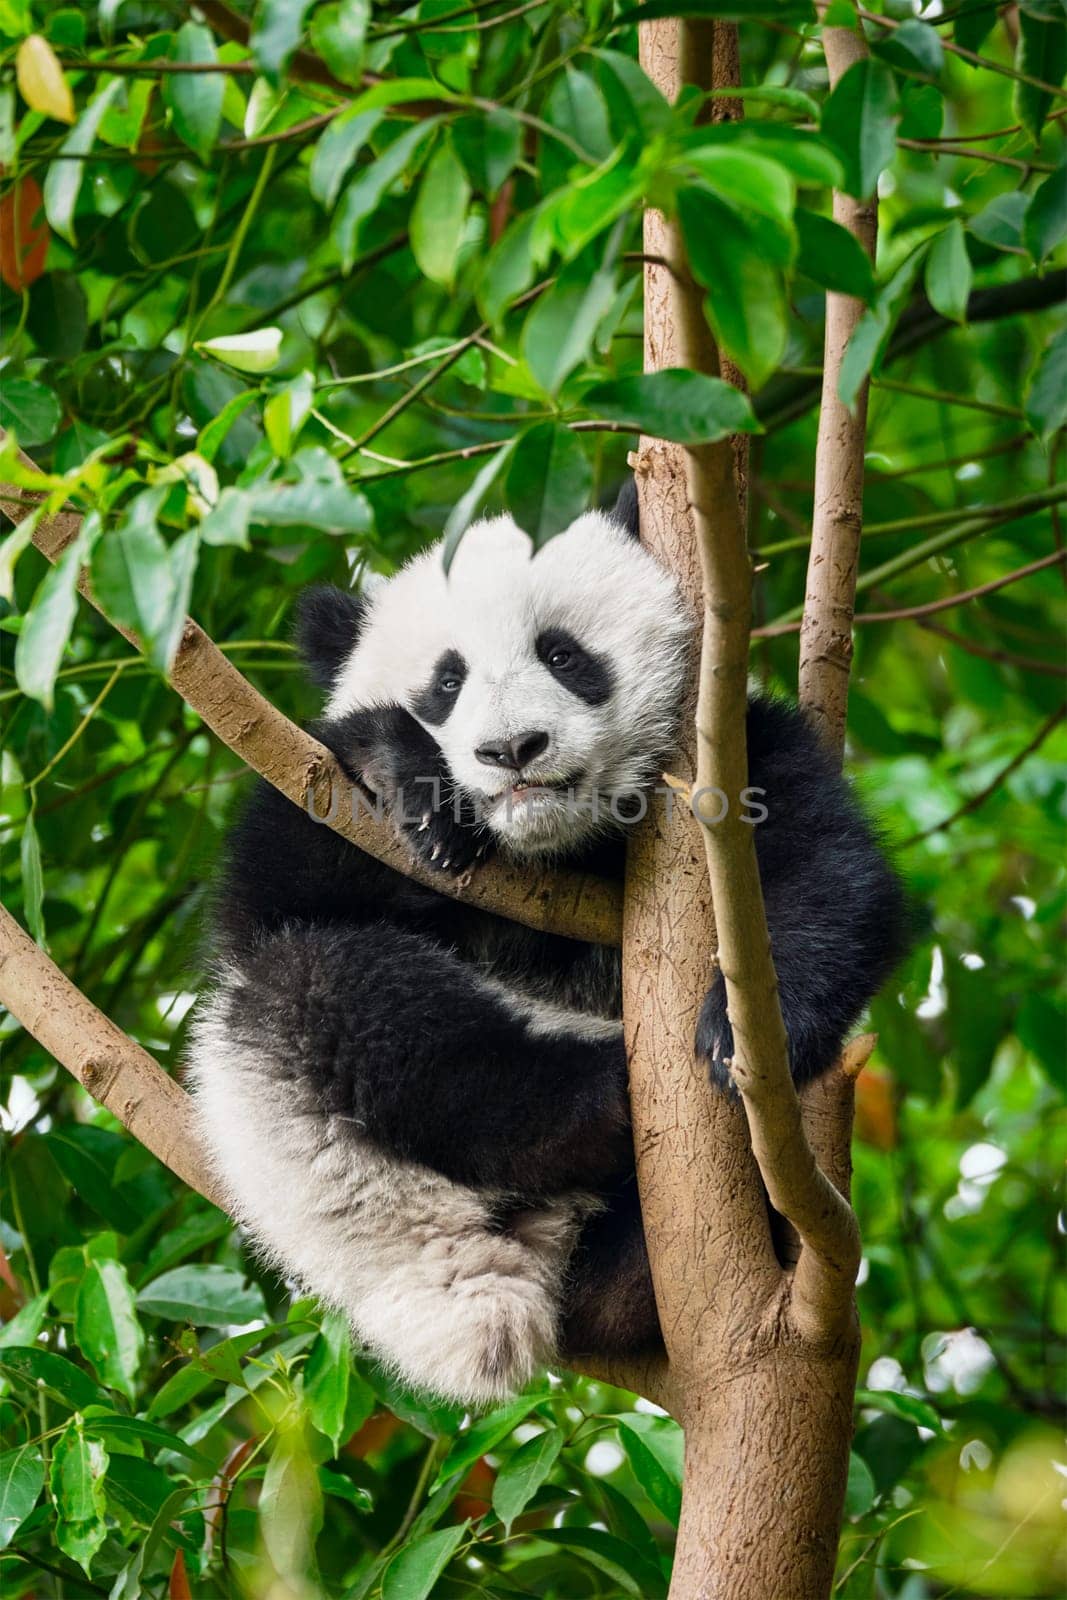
[(105, 1061), (830, 591), (574, 904), (762, 1357)]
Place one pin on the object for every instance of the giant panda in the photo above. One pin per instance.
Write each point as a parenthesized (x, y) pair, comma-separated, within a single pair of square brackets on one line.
[(417, 1109)]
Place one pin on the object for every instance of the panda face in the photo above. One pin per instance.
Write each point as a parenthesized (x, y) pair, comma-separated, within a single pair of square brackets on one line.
[(551, 680)]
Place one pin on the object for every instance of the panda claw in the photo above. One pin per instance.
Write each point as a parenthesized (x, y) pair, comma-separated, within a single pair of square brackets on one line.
[(425, 823), (446, 863), (435, 852)]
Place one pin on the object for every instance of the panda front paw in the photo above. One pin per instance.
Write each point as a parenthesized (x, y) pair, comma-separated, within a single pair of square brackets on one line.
[(445, 835), (715, 1038), (394, 757)]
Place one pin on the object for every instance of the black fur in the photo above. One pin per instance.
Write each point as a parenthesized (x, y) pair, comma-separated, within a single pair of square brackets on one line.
[(373, 980), (327, 627)]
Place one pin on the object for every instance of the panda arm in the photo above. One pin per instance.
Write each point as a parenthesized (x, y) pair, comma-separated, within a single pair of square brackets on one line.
[(392, 754), (835, 910), (399, 1037)]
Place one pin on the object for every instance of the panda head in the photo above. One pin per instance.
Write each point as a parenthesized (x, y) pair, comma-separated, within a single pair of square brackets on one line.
[(551, 680)]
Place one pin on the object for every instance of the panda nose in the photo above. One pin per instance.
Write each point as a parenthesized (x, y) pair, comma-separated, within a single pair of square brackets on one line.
[(513, 753)]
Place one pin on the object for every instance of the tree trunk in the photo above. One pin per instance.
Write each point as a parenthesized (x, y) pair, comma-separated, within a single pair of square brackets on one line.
[(763, 1393)]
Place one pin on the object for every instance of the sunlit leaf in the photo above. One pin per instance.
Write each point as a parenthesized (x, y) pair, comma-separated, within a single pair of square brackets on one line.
[(523, 1473), (413, 1572), (439, 214), (41, 81)]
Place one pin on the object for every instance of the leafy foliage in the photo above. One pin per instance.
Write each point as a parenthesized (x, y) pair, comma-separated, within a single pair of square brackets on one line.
[(376, 270)]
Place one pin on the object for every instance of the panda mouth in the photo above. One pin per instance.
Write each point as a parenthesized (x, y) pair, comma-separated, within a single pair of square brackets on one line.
[(533, 787)]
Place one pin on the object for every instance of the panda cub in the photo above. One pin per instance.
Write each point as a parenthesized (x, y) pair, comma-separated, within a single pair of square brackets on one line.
[(417, 1109)]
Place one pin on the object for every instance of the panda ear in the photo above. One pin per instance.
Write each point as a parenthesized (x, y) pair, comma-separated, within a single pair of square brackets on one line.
[(626, 511), (327, 627)]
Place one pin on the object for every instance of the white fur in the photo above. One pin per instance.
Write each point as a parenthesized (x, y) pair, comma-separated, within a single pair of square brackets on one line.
[(595, 581), (448, 1301)]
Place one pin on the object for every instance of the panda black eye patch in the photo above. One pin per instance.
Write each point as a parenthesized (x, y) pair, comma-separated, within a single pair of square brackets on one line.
[(586, 675), (434, 703)]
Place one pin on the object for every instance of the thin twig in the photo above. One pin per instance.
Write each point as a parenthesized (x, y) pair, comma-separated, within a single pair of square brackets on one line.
[(978, 800)]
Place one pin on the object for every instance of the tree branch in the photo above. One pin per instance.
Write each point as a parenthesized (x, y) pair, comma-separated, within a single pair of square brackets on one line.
[(788, 397), (575, 905), (930, 607), (107, 1063), (830, 591)]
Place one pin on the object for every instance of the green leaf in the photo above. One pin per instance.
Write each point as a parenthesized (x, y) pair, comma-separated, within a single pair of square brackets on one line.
[(247, 352), (32, 879), (874, 328), (686, 407), (1046, 397), (576, 107), (489, 1431), (113, 1425), (210, 1296), (655, 1448), (195, 98), (913, 47), (21, 1481), (908, 1407), (833, 257), (621, 1562), (922, 111), (508, 271), (807, 156), (549, 481), (286, 411), (523, 1473), (338, 35), (861, 1492), (47, 627), (746, 181), (772, 95), (227, 522), (747, 306), (290, 1507), (106, 1326), (335, 508), (41, 1369), (213, 433), (559, 331), (860, 119), (1001, 222), (1042, 53), (30, 409), (326, 1377), (77, 1487), (470, 502), (948, 273), (973, 23), (414, 1570), (278, 30), (26, 1324), (439, 214), (1045, 225), (726, 10), (63, 180), (370, 185), (338, 150), (132, 576)]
